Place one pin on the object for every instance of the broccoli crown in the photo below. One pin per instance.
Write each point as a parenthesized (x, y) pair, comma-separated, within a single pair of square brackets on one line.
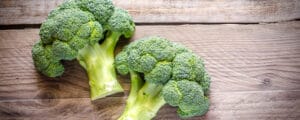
[(74, 25), (178, 69)]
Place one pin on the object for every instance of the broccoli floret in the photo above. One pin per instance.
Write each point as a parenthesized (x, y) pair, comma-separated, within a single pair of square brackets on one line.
[(188, 96), (163, 72), (75, 30)]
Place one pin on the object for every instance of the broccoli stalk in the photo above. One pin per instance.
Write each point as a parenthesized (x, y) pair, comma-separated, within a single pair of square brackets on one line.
[(144, 100), (98, 62), (162, 72)]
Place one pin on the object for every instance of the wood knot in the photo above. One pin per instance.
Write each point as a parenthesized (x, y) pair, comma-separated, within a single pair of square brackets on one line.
[(46, 99), (266, 82), (45, 95)]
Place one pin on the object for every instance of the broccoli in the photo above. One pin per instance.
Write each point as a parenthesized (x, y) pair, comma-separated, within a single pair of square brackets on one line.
[(163, 72), (86, 30)]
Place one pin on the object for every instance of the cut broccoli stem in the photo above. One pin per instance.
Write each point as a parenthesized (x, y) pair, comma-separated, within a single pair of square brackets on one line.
[(136, 84), (144, 100), (98, 61)]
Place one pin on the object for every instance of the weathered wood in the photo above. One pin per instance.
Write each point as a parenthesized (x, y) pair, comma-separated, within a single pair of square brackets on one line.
[(226, 105), (166, 11), (262, 57)]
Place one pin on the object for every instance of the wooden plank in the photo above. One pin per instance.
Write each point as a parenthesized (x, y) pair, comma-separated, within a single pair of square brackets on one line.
[(262, 57), (165, 11), (228, 105)]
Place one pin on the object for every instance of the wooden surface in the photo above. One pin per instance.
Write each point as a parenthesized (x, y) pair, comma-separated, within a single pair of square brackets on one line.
[(255, 74), (166, 11), (255, 68)]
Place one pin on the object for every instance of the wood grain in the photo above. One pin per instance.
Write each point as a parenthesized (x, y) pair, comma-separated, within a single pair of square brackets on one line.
[(227, 105), (14, 12), (262, 57)]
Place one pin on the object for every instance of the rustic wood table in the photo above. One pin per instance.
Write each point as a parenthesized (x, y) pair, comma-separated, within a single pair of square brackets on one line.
[(251, 49)]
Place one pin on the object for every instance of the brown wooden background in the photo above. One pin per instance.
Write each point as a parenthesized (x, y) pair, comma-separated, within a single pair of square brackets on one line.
[(251, 49)]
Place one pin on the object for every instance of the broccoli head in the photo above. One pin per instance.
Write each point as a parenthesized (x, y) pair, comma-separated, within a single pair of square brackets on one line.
[(163, 72), (86, 30)]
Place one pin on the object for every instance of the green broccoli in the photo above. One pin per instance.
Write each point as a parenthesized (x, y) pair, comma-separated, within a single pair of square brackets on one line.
[(86, 30), (163, 72)]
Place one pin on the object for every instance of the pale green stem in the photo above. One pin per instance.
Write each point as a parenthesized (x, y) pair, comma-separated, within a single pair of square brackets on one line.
[(98, 60), (146, 104)]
